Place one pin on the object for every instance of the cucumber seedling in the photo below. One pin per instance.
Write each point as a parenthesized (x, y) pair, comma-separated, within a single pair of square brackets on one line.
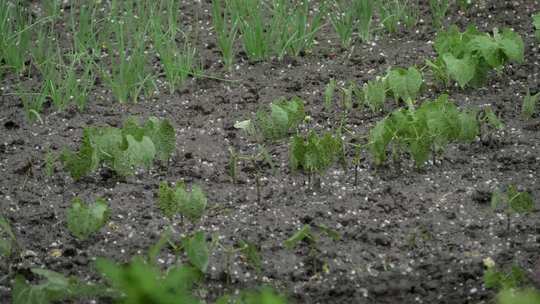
[(311, 234), (85, 219), (467, 57), (177, 200), (8, 242), (258, 161), (530, 103), (315, 154), (276, 123), (512, 202), (121, 149), (249, 251)]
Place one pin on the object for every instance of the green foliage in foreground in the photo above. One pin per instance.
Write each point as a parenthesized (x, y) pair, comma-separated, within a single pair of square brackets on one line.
[(263, 295), (143, 283), (121, 149), (468, 57), (55, 287), (85, 219), (420, 132), (520, 296), (177, 200), (499, 279)]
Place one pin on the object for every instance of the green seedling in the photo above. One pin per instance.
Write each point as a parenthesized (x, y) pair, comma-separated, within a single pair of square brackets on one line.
[(54, 288), (314, 154), (8, 242), (49, 163), (439, 8), (512, 202), (226, 32), (529, 104), (247, 250), (196, 249), (329, 94), (536, 24), (179, 62), (264, 295), (347, 94), (282, 118), (129, 75), (293, 31), (84, 219), (65, 85), (33, 102), (495, 278), (177, 200), (364, 10), (84, 27), (464, 5), (396, 12), (248, 14), (16, 35), (343, 19), (521, 296), (141, 283), (310, 235), (489, 123), (121, 149), (374, 94), (258, 160), (404, 83), (467, 57), (420, 132)]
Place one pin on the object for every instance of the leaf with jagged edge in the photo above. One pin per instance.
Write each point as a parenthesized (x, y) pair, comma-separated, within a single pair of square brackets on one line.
[(84, 220), (197, 251), (529, 104), (374, 94), (469, 128), (193, 204), (162, 134), (135, 153), (83, 162), (167, 202)]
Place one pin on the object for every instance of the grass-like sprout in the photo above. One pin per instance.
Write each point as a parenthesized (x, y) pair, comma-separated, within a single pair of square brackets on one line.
[(226, 30), (439, 8)]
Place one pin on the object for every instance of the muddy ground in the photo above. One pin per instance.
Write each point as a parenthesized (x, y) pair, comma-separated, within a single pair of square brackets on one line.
[(408, 236)]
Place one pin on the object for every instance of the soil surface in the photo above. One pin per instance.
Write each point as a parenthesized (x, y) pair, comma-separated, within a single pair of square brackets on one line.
[(407, 235)]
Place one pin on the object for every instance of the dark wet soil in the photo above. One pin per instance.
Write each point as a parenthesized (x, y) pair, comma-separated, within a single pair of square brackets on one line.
[(408, 236)]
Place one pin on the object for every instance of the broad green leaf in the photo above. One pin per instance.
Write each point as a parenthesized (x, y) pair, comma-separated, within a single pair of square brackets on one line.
[(490, 50), (86, 219), (134, 153), (140, 282), (280, 119), (163, 136), (167, 202), (462, 70), (511, 44), (330, 232), (300, 235), (197, 250), (520, 296), (404, 84), (379, 139)]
